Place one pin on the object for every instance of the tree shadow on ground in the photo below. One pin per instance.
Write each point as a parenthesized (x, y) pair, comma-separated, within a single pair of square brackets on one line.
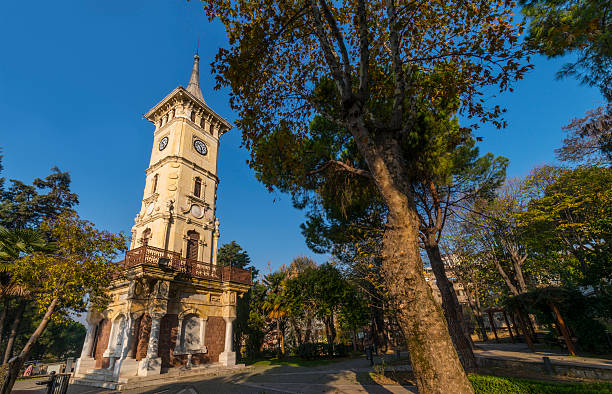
[(339, 377)]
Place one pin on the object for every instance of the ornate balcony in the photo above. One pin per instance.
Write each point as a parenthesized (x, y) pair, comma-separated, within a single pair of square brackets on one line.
[(156, 257)]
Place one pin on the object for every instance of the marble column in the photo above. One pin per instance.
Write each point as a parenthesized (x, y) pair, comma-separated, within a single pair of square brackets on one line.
[(86, 360), (151, 364), (126, 343), (89, 340), (228, 357)]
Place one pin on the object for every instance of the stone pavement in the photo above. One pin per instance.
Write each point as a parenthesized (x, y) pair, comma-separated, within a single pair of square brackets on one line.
[(520, 352), (350, 376)]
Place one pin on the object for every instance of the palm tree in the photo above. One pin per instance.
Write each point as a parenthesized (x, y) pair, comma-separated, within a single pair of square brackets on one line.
[(274, 305), (13, 244)]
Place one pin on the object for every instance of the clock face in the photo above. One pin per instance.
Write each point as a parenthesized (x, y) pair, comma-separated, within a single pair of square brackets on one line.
[(196, 211), (163, 143), (200, 147)]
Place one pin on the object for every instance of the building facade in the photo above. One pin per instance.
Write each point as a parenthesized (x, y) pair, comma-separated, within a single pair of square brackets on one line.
[(173, 305)]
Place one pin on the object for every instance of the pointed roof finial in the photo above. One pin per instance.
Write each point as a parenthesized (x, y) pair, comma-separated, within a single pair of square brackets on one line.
[(194, 82)]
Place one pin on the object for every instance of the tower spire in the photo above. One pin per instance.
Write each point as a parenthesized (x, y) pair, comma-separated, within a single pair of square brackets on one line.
[(194, 82)]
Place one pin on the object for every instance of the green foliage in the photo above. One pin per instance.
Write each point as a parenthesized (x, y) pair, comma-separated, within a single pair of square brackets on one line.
[(570, 224), (250, 324), (81, 265), (233, 254), (60, 339), (311, 351), (26, 206), (497, 385), (582, 314), (583, 27)]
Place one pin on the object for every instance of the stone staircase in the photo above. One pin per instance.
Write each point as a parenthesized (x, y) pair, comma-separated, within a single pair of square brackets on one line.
[(104, 378), (98, 378)]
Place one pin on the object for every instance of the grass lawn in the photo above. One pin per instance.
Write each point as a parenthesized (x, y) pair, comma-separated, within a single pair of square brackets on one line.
[(487, 384), (484, 384)]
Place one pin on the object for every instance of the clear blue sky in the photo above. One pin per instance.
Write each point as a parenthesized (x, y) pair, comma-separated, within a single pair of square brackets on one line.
[(77, 76)]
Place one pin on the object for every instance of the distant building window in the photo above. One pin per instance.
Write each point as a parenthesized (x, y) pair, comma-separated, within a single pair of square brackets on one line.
[(197, 187), (154, 187)]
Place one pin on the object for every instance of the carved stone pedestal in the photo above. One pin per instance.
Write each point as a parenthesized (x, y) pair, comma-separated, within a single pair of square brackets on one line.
[(227, 359), (150, 366)]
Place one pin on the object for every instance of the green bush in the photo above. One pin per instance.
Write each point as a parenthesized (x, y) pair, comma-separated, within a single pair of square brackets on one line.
[(341, 350), (496, 385), (311, 351)]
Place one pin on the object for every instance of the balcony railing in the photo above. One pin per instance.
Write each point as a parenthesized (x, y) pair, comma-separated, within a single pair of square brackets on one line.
[(151, 256)]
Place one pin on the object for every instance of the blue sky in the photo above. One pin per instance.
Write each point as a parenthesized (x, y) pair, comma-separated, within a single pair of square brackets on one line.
[(76, 78)]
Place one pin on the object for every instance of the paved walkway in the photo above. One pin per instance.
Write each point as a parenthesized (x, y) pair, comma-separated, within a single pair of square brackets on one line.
[(520, 352), (350, 376)]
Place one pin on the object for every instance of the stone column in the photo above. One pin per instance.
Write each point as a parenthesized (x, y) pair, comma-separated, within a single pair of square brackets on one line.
[(228, 358), (151, 364), (215, 244), (86, 360), (126, 343), (89, 340)]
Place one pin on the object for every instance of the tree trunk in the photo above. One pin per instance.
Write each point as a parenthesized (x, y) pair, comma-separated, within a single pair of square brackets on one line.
[(450, 304), (11, 370), (281, 339), (329, 323), (14, 330), (478, 310), (5, 306), (308, 330), (378, 327), (483, 329), (297, 330), (434, 360)]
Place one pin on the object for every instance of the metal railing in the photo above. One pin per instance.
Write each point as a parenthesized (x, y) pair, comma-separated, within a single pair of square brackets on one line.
[(157, 257), (57, 383)]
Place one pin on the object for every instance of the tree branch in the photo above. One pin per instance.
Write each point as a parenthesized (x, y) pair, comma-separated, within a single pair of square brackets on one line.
[(364, 52), (343, 51), (330, 56), (400, 86), (341, 166)]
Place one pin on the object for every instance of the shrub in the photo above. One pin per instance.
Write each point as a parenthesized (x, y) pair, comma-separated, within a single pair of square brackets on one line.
[(311, 351), (341, 350)]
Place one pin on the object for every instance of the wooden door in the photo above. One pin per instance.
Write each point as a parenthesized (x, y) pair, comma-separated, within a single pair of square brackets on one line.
[(193, 239)]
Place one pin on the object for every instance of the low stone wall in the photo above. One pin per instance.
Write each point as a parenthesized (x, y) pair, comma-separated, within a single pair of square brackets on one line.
[(559, 368)]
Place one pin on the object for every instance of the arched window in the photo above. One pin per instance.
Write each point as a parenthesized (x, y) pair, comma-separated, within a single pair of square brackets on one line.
[(197, 186), (192, 245), (193, 116), (210, 129), (154, 186), (202, 124), (146, 236), (190, 333)]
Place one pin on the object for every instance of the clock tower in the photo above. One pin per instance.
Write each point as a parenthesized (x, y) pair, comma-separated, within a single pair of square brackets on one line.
[(171, 305), (178, 206)]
